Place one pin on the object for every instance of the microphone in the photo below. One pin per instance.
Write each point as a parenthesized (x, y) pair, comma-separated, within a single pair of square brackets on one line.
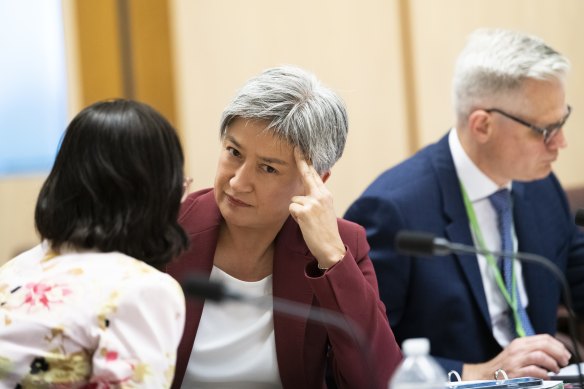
[(579, 218), (200, 286), (421, 243), (426, 244)]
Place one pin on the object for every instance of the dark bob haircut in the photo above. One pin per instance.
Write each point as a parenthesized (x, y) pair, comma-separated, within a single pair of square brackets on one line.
[(116, 184)]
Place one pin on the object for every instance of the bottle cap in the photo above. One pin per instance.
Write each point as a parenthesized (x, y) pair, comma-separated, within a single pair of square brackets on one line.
[(416, 346)]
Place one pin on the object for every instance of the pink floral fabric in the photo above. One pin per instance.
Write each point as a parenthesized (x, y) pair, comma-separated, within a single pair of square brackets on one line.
[(87, 320)]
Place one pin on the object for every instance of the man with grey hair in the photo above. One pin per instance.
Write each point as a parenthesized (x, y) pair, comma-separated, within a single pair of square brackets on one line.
[(487, 183), (268, 230)]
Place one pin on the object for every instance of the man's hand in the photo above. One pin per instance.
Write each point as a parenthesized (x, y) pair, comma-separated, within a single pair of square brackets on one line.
[(532, 356)]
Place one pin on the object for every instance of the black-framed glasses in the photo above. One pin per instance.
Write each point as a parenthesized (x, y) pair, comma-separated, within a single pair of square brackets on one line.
[(547, 132)]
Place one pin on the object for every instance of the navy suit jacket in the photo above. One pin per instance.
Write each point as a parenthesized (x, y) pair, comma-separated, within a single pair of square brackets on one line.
[(442, 298), (349, 289)]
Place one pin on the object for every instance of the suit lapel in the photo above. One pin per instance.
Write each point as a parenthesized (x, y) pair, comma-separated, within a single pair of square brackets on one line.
[(457, 223), (531, 240)]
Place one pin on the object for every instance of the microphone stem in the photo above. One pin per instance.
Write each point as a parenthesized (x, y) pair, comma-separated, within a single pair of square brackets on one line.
[(567, 300), (319, 315), (199, 286), (322, 316)]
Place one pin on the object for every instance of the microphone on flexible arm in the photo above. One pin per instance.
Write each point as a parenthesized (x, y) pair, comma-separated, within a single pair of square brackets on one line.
[(425, 244), (200, 286)]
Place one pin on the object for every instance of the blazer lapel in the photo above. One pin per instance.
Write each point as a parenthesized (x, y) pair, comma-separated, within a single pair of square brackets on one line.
[(457, 223), (290, 259)]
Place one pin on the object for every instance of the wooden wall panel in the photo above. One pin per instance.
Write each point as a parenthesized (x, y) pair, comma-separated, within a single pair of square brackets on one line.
[(125, 51), (152, 55), (98, 50)]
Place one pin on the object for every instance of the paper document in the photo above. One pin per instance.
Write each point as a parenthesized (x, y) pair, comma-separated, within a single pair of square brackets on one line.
[(569, 370), (490, 384), (568, 374)]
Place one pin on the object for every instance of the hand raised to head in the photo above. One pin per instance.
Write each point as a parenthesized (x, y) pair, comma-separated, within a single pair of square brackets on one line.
[(314, 213)]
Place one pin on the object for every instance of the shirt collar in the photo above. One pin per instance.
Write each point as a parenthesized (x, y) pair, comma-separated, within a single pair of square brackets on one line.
[(476, 183)]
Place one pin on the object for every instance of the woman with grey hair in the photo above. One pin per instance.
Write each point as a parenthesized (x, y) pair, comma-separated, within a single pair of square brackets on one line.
[(268, 228)]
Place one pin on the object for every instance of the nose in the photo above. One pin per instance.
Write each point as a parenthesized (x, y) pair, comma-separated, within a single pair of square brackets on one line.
[(242, 179)]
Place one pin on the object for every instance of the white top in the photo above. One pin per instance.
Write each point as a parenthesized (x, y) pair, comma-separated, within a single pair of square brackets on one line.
[(87, 318), (235, 345), (479, 187)]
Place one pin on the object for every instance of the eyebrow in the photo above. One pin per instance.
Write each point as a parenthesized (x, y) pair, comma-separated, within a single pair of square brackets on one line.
[(273, 161), (561, 121), (557, 124), (270, 160)]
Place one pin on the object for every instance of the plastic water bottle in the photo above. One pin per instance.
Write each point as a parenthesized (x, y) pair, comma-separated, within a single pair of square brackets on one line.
[(418, 370)]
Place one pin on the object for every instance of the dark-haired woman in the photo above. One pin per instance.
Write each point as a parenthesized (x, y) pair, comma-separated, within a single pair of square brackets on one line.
[(88, 307)]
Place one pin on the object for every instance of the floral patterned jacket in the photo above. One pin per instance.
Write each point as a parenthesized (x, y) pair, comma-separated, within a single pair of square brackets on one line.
[(87, 320)]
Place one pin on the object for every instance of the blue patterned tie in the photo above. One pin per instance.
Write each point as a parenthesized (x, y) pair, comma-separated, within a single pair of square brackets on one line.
[(501, 201)]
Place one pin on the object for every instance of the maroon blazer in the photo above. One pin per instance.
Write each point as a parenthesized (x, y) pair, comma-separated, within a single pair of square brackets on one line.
[(349, 288)]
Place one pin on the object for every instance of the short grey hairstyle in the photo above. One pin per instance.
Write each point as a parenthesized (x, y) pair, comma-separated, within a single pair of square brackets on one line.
[(495, 62), (299, 110)]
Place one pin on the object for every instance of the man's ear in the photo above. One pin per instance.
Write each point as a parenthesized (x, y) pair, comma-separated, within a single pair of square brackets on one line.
[(325, 176), (480, 125)]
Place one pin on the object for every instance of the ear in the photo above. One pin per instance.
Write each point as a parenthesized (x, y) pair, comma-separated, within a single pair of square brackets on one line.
[(325, 176), (480, 125)]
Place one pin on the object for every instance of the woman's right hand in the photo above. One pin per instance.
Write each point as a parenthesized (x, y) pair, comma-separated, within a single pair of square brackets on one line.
[(315, 214)]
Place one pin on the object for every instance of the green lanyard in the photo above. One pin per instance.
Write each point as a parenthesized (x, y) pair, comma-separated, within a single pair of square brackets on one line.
[(476, 230)]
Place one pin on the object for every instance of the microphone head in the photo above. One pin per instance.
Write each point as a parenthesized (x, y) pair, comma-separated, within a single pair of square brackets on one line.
[(579, 219), (414, 242), (199, 286)]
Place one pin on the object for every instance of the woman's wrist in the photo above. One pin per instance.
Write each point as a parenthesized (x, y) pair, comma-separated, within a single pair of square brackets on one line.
[(325, 265)]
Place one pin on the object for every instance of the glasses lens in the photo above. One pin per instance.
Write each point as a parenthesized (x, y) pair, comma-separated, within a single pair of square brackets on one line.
[(549, 134)]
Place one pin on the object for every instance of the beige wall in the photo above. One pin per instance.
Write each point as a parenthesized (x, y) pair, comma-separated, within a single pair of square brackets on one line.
[(391, 61), (353, 47), (439, 29), (17, 200)]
